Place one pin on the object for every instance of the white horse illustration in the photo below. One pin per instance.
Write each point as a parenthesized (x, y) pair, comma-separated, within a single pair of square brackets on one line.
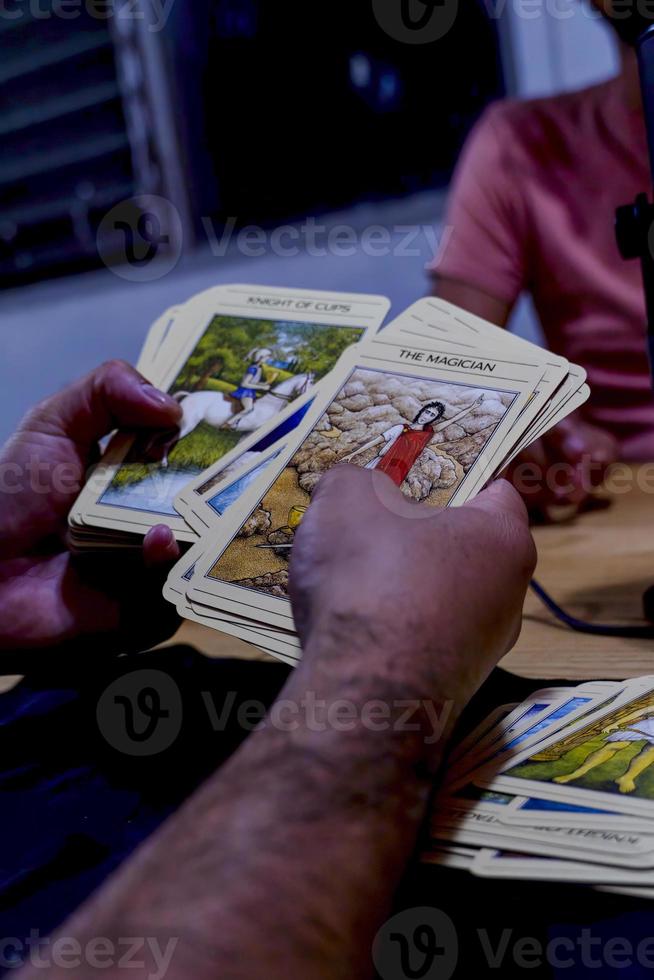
[(215, 408)]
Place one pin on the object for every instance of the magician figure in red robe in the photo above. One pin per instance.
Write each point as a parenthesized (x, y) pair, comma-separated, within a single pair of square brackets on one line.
[(402, 444)]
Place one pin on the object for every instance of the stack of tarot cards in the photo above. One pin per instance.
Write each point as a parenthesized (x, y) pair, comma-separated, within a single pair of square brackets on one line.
[(558, 788), (276, 387), (238, 359)]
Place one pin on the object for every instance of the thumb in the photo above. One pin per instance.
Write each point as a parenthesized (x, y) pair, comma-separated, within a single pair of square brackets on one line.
[(500, 497), (505, 509), (113, 396)]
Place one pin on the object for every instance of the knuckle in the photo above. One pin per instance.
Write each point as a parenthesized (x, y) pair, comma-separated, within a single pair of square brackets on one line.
[(105, 378), (42, 416), (114, 365)]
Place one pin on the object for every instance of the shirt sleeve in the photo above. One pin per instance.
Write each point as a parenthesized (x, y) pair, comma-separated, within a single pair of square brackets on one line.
[(485, 241)]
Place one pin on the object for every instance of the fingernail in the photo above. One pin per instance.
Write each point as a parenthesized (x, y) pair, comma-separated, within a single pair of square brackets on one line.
[(159, 398), (165, 538)]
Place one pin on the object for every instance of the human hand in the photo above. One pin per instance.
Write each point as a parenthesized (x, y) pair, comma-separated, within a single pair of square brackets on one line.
[(49, 597), (427, 599), (565, 466)]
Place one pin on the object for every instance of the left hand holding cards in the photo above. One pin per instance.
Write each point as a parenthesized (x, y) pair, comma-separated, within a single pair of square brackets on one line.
[(48, 597)]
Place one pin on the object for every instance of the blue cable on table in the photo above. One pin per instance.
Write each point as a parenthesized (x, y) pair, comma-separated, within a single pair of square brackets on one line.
[(581, 626)]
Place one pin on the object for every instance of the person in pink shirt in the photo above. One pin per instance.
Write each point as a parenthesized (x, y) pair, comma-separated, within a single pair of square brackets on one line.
[(532, 210)]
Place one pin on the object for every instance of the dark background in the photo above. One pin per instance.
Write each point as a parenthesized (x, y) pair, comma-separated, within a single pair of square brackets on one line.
[(277, 110)]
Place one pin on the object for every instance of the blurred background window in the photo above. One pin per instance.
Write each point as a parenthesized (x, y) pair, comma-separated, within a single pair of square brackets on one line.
[(260, 111), (229, 114)]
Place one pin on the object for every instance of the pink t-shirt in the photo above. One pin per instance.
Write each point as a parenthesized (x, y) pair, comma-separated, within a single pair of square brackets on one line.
[(532, 209)]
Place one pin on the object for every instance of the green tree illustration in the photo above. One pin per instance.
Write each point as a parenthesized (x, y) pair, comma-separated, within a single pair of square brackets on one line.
[(222, 351), (319, 347)]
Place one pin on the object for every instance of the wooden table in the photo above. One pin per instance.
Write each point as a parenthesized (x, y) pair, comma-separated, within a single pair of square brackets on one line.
[(596, 566)]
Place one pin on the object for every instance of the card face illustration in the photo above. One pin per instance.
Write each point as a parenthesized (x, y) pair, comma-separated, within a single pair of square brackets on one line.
[(234, 488), (425, 434), (240, 374), (257, 448), (608, 761), (616, 756), (529, 723)]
